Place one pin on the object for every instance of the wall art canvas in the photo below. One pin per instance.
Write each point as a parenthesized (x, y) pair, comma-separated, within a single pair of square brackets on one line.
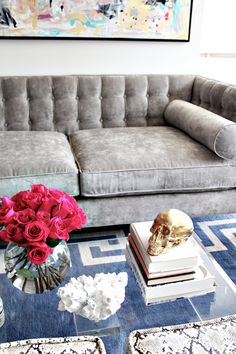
[(96, 19)]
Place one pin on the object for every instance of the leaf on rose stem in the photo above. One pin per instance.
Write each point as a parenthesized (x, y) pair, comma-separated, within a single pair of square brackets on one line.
[(24, 273), (52, 243)]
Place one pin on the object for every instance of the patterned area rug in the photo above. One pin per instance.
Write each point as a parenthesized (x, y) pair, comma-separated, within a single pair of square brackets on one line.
[(218, 235), (106, 253)]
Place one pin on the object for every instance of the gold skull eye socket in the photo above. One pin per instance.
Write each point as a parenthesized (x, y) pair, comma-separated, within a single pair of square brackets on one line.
[(165, 230)]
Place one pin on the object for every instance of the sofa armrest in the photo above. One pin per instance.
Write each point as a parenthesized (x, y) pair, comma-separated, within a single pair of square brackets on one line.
[(215, 96), (210, 129)]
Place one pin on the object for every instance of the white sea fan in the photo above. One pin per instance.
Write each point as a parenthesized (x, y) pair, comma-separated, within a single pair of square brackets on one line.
[(94, 298)]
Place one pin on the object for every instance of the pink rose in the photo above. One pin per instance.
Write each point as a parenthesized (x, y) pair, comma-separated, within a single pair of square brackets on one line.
[(6, 210), (64, 209), (32, 200), (47, 204), (39, 189), (43, 216), (36, 231), (69, 210), (77, 221), (58, 229), (4, 236), (72, 201), (37, 254), (27, 199), (19, 200), (25, 216), (14, 233), (56, 194)]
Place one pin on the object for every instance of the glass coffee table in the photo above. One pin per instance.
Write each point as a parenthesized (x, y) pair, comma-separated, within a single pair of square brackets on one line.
[(37, 316)]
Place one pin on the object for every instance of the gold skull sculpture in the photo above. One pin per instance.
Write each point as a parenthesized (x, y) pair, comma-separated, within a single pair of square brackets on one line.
[(170, 227)]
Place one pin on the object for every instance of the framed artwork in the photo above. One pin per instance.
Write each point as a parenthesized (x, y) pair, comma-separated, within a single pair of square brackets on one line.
[(165, 20)]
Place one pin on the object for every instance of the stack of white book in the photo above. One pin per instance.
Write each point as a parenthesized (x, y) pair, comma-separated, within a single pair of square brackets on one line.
[(178, 273)]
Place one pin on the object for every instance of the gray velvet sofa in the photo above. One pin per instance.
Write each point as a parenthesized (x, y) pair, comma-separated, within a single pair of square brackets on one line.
[(125, 146)]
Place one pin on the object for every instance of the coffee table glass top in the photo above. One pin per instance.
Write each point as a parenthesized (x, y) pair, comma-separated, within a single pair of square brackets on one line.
[(36, 316)]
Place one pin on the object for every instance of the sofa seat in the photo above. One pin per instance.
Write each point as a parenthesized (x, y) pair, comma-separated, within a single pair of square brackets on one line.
[(36, 157), (142, 160)]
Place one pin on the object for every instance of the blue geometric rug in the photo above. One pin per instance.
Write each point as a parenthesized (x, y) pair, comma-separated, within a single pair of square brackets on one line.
[(218, 235), (106, 253)]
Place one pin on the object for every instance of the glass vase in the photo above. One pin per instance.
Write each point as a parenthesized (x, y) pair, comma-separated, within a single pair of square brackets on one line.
[(35, 279), (2, 315)]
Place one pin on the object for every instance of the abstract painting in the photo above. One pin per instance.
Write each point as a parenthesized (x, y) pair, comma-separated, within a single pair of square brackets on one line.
[(96, 19)]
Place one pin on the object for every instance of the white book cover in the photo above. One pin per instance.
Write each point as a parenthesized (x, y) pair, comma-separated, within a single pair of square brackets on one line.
[(178, 257), (203, 281), (149, 301)]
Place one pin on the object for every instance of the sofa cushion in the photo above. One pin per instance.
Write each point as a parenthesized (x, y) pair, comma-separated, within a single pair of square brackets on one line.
[(210, 129), (128, 161), (36, 157), (76, 345), (215, 336)]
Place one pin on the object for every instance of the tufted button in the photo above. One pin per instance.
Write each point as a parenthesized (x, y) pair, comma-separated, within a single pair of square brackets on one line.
[(147, 95), (101, 97), (101, 120), (168, 95), (5, 125)]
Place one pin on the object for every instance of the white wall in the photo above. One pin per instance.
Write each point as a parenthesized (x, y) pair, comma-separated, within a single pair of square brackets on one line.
[(42, 57), (218, 40), (223, 69)]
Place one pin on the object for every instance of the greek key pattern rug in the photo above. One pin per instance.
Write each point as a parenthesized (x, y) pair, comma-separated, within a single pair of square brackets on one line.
[(218, 235), (106, 253)]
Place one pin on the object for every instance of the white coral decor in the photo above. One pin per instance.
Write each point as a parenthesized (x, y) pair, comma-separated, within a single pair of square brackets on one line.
[(94, 298)]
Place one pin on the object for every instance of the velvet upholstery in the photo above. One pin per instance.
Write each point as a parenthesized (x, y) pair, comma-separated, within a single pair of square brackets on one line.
[(125, 210), (122, 161), (83, 104), (36, 157), (69, 103), (215, 96), (210, 129)]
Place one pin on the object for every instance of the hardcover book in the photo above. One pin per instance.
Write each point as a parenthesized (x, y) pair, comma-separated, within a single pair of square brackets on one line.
[(202, 283), (178, 257), (163, 277), (155, 275)]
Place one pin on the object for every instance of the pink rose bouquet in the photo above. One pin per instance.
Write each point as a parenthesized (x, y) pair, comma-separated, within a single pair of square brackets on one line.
[(39, 219)]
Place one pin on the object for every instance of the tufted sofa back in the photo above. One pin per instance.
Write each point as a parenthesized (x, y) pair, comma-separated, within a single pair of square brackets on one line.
[(69, 103), (216, 96)]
